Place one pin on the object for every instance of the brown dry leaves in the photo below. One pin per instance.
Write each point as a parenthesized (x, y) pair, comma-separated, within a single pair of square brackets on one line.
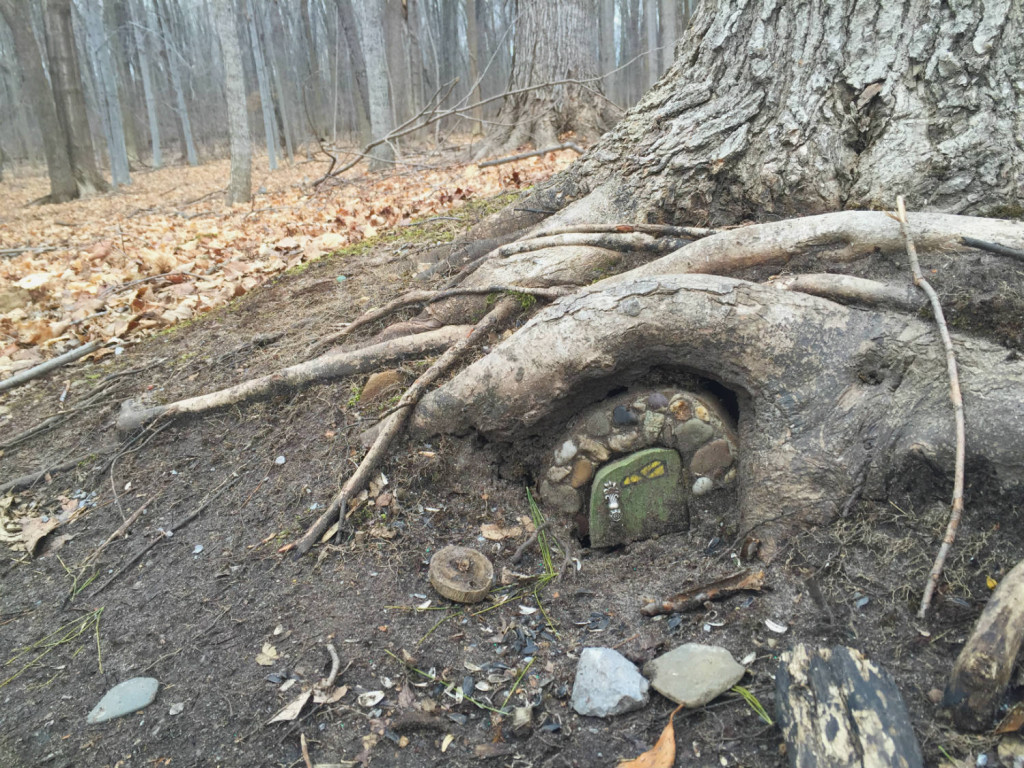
[(166, 249), (662, 754)]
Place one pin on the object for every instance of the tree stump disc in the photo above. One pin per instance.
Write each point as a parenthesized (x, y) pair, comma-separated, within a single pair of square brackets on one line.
[(461, 574)]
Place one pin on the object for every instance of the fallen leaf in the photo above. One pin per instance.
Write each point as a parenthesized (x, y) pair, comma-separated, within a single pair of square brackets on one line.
[(406, 698), (34, 530), (662, 754), (446, 742), (329, 697), (493, 532), (267, 656), (292, 709)]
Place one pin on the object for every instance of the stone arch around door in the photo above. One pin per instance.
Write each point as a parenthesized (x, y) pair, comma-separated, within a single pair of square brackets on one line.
[(693, 424)]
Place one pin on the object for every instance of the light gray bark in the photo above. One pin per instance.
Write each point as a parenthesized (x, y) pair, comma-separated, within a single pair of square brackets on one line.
[(778, 109), (369, 16), (106, 81), (144, 48), (173, 56), (263, 81), (554, 43), (240, 187), (37, 89)]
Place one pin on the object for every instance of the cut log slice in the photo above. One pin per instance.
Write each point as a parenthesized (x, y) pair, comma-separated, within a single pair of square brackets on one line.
[(461, 574)]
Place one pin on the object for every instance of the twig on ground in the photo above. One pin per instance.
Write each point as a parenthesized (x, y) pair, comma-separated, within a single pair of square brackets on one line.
[(535, 153), (122, 529), (393, 425), (658, 230), (125, 286), (25, 481), (11, 252), (68, 357), (958, 412), (521, 550), (233, 478), (305, 750), (1002, 250), (612, 241), (332, 365), (429, 297)]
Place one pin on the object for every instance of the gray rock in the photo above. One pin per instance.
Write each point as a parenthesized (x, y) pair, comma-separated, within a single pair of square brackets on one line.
[(623, 416), (598, 424), (694, 674), (653, 422), (657, 401), (691, 435), (623, 443), (561, 498), (124, 698), (558, 474), (607, 683)]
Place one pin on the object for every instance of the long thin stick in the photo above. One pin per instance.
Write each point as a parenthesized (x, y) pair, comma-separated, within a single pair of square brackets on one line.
[(68, 357), (393, 424), (429, 297), (958, 411)]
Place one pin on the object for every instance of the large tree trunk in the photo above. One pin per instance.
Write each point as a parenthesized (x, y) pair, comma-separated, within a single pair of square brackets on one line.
[(552, 44), (369, 16), (37, 88), (777, 109), (240, 187), (72, 116)]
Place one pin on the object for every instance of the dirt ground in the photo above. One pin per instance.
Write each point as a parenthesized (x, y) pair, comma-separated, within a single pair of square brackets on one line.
[(198, 608)]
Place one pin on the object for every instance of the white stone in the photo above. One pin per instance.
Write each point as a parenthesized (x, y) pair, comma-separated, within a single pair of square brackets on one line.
[(607, 683), (123, 699), (565, 452), (702, 485), (694, 674)]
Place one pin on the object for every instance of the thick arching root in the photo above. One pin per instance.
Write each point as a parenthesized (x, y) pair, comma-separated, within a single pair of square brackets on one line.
[(825, 391)]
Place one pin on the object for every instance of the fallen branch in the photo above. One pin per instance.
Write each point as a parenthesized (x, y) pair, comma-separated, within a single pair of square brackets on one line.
[(535, 153), (68, 357), (233, 478), (25, 481), (982, 670), (958, 411), (846, 289), (394, 424), (612, 241), (11, 252), (121, 529), (332, 365), (1002, 250), (428, 297), (694, 598), (659, 230)]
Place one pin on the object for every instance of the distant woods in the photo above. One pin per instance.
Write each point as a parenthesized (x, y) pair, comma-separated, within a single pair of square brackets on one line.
[(101, 88)]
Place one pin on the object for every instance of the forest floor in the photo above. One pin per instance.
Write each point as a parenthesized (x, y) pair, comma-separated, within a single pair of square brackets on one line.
[(225, 622)]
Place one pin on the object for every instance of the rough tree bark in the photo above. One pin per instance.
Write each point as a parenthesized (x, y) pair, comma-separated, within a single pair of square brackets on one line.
[(770, 109), (551, 45), (240, 186), (37, 90)]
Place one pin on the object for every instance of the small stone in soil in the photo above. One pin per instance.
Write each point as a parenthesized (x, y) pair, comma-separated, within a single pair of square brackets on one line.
[(124, 698), (657, 401), (607, 683), (457, 717), (623, 416), (694, 674)]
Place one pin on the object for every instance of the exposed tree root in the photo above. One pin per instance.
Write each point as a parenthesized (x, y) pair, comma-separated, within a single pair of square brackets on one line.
[(426, 297), (330, 366), (846, 289), (822, 388), (393, 425)]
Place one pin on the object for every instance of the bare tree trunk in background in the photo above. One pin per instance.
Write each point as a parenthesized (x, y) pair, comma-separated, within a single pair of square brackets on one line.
[(37, 89), (240, 188), (549, 43), (313, 85), (69, 101), (652, 59), (370, 22), (106, 81), (266, 100), (161, 15), (473, 42), (269, 33), (113, 29), (396, 43), (145, 69), (669, 19), (606, 49), (358, 66), (415, 54)]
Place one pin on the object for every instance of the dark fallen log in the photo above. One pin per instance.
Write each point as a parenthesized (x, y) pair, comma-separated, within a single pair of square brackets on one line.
[(837, 709), (982, 670)]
